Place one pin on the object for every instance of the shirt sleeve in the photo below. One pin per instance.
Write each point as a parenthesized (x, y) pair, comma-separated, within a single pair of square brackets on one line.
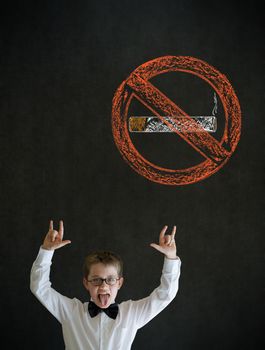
[(146, 309), (40, 285)]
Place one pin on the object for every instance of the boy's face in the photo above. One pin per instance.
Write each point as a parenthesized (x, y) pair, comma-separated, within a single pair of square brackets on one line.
[(105, 294)]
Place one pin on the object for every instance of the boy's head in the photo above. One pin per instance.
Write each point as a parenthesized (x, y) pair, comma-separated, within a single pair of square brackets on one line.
[(99, 266)]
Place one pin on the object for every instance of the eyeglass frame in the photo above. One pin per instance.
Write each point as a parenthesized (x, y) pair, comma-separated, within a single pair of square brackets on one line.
[(104, 280)]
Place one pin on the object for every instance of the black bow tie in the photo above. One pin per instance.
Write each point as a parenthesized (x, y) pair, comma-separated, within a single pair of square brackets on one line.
[(111, 311)]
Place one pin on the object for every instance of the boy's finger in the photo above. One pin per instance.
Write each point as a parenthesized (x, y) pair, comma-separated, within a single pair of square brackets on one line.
[(61, 229), (157, 247), (51, 225), (62, 244), (173, 232), (162, 233), (53, 235), (168, 239)]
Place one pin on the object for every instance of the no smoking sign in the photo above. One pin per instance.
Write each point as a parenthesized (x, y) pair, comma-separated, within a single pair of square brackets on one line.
[(216, 153)]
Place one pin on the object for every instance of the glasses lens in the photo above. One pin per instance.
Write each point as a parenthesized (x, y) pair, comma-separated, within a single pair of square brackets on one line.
[(111, 280), (96, 281)]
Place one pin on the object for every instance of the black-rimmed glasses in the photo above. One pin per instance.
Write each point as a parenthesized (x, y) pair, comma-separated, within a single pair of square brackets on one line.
[(98, 281)]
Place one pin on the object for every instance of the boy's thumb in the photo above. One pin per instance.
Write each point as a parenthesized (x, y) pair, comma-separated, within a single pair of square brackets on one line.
[(156, 246)]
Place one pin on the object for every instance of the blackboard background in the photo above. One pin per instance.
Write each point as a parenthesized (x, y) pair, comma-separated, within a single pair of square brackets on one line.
[(61, 64)]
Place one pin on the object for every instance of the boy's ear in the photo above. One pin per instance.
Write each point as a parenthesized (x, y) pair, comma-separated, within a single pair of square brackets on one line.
[(121, 280), (85, 283)]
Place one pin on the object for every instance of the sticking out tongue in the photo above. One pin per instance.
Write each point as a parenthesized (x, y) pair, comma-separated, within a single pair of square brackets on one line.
[(104, 298)]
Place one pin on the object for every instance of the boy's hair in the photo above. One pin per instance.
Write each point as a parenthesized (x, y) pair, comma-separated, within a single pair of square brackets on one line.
[(104, 257)]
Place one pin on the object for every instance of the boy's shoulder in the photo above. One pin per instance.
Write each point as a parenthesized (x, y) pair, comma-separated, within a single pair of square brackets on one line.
[(130, 305), (77, 305)]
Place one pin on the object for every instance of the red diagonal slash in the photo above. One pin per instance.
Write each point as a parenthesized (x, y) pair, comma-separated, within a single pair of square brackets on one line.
[(155, 100)]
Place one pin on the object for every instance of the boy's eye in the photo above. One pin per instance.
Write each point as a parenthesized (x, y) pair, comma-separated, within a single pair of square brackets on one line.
[(96, 281), (111, 280)]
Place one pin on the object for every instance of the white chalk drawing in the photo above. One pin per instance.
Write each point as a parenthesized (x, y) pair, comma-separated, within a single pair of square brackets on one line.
[(153, 124)]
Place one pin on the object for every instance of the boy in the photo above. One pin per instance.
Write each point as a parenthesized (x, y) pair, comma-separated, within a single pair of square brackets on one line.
[(101, 323)]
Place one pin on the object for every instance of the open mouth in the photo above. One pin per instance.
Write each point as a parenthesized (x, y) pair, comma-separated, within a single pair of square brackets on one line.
[(104, 299)]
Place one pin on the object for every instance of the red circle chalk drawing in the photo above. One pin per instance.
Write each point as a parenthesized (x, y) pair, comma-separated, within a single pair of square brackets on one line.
[(216, 153)]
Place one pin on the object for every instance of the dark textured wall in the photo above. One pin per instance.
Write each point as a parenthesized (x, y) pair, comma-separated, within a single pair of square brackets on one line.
[(61, 64)]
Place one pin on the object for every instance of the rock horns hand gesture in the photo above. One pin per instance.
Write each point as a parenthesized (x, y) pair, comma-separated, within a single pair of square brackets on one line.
[(54, 239), (167, 243)]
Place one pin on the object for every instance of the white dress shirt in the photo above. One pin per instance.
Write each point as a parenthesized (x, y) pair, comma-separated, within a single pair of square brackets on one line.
[(80, 331)]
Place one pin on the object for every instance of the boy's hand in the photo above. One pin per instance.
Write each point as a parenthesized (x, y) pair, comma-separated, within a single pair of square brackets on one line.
[(54, 239), (167, 243)]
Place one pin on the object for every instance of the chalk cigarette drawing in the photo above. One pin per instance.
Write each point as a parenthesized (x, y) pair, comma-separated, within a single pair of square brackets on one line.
[(154, 124)]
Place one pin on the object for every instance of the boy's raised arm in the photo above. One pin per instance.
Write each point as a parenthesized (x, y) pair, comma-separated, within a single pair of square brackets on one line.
[(54, 239), (167, 243), (40, 284), (147, 308)]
